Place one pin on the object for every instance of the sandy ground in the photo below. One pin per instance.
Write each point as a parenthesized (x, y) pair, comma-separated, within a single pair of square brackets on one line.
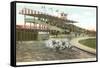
[(37, 51)]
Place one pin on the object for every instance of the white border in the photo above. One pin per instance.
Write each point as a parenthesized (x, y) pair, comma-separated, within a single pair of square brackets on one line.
[(56, 61)]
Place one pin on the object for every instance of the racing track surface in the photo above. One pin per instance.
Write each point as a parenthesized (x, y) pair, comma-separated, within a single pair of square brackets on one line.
[(37, 51)]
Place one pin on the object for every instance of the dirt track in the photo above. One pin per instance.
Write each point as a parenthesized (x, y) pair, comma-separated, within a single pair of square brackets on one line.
[(36, 51)]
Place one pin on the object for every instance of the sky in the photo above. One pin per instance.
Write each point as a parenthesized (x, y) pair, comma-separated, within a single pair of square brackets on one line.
[(85, 16)]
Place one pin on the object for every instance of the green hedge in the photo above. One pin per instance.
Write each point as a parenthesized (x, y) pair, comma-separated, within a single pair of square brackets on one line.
[(23, 35)]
